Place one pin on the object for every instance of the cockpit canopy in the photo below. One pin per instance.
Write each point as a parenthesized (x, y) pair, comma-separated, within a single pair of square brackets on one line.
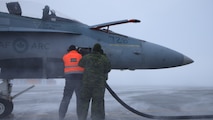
[(32, 9), (14, 8)]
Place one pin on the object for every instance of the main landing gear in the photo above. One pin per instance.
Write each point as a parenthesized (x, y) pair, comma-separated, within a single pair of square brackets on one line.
[(6, 104)]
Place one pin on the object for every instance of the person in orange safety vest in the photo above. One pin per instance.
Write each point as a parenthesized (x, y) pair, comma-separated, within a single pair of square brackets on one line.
[(73, 78)]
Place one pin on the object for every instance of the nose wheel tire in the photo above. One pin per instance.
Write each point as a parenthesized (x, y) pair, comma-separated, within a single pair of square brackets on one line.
[(6, 107)]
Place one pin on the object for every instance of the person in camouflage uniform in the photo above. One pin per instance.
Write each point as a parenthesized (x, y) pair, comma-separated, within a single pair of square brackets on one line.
[(96, 67)]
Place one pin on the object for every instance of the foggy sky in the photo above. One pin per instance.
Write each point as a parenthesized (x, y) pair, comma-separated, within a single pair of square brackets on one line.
[(182, 25)]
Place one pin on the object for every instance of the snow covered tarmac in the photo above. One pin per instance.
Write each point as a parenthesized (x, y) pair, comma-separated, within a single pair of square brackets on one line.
[(42, 102)]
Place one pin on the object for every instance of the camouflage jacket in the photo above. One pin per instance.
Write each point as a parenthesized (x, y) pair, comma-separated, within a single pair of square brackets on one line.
[(96, 67)]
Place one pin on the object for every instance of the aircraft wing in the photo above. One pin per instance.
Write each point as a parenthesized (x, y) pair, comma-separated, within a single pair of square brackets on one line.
[(18, 29), (114, 23)]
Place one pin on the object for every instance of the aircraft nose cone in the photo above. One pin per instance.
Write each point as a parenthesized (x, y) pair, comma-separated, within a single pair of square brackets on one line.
[(187, 60), (155, 57)]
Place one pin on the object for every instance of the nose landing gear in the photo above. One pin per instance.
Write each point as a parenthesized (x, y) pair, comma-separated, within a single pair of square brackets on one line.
[(6, 107), (6, 104)]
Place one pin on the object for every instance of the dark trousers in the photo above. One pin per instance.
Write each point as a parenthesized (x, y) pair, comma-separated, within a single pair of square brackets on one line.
[(72, 83)]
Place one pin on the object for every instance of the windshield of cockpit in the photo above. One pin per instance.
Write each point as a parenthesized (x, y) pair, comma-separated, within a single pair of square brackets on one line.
[(29, 9)]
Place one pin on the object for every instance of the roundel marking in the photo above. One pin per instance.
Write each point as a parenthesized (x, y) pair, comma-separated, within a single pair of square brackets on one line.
[(20, 45)]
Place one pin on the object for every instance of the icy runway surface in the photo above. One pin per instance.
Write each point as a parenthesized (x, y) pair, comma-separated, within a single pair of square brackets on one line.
[(42, 102)]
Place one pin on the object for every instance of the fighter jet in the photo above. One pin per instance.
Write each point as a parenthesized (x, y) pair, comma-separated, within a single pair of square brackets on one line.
[(33, 47)]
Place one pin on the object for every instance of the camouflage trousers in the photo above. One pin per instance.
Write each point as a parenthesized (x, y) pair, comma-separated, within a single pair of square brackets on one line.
[(96, 95)]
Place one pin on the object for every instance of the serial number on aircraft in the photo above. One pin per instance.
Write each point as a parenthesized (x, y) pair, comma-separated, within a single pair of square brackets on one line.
[(118, 40)]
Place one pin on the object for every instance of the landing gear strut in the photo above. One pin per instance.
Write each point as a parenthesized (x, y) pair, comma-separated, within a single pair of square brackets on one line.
[(6, 104)]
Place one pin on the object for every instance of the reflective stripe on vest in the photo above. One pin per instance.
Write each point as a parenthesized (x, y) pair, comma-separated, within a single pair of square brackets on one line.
[(73, 69)]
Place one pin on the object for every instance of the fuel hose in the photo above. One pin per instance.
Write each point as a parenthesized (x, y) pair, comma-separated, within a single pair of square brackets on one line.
[(154, 116)]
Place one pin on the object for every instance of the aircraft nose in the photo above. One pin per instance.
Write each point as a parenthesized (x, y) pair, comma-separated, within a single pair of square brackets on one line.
[(155, 57), (187, 60)]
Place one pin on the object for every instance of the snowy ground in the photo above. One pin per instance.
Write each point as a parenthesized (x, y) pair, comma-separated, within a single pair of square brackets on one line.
[(42, 102)]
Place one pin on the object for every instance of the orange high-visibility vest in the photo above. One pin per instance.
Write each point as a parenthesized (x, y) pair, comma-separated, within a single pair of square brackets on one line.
[(71, 60)]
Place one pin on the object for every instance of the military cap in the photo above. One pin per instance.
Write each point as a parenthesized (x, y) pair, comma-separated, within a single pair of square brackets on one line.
[(97, 47), (72, 47)]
